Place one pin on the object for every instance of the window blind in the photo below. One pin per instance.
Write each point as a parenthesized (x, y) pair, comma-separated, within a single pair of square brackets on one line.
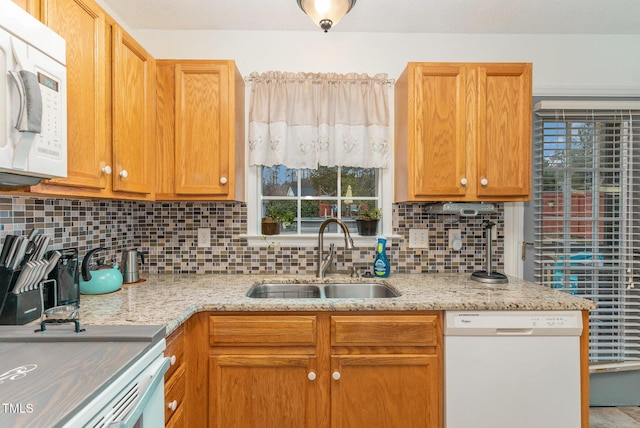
[(586, 199)]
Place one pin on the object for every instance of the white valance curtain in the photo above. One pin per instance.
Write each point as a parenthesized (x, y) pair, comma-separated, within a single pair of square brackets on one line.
[(302, 120)]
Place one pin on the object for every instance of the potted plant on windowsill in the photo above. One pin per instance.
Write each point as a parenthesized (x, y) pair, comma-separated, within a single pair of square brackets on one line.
[(275, 218), (368, 220)]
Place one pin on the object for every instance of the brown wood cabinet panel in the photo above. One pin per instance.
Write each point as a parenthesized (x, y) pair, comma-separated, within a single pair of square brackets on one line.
[(82, 24), (200, 128), (196, 341), (440, 127), (262, 329), (463, 132), (386, 391), (385, 330), (133, 98), (504, 130), (263, 390), (174, 393), (175, 351), (178, 419)]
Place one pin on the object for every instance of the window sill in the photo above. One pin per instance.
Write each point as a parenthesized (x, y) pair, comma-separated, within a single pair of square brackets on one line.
[(311, 240)]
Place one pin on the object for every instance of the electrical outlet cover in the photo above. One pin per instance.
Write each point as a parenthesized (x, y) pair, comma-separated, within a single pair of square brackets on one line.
[(418, 238)]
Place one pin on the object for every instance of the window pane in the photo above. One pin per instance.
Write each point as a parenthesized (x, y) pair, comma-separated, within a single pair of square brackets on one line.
[(279, 181), (363, 182), (319, 183), (285, 211)]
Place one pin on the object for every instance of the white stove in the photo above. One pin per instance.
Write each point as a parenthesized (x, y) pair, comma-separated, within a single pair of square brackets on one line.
[(107, 376)]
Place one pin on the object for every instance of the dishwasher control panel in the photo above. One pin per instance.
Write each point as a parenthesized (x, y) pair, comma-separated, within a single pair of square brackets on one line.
[(534, 323)]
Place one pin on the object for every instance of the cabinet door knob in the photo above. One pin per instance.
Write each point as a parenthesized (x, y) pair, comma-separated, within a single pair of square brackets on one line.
[(463, 181), (312, 376), (173, 405), (106, 169), (484, 181), (173, 360), (335, 375), (124, 173), (223, 180)]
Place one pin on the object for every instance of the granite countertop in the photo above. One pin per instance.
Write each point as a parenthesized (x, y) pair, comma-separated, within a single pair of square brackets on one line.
[(169, 300)]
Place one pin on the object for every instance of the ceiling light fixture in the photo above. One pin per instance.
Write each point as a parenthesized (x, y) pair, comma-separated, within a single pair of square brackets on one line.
[(326, 13)]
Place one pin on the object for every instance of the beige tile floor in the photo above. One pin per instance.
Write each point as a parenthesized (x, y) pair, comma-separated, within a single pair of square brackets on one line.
[(614, 417)]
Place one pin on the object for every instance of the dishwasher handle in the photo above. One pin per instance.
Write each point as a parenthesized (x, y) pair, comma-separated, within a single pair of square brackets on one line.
[(130, 420), (514, 331)]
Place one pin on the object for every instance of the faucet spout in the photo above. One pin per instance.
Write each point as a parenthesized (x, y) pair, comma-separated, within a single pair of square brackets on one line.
[(323, 264)]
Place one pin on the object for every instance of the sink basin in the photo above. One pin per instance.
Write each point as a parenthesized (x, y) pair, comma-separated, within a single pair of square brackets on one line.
[(284, 291), (359, 291), (362, 290)]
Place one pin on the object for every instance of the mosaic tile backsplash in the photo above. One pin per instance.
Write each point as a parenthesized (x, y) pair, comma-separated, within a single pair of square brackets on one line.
[(167, 233)]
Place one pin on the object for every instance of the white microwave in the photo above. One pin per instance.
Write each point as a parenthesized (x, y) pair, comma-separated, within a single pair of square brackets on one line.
[(33, 99)]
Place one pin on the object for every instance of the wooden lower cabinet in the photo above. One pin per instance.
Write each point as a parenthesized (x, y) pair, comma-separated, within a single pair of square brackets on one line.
[(385, 391), (263, 391), (325, 370)]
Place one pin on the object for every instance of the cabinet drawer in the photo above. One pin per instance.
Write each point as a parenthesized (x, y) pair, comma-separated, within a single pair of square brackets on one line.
[(174, 394), (261, 330), (177, 420), (175, 351), (391, 330)]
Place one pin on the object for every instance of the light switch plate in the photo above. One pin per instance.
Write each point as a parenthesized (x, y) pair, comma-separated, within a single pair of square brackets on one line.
[(204, 237), (418, 238)]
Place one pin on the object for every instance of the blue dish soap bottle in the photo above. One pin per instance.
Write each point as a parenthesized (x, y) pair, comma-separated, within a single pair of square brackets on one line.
[(381, 266)]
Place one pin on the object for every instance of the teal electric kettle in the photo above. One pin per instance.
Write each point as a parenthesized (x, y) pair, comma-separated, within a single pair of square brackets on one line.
[(100, 278)]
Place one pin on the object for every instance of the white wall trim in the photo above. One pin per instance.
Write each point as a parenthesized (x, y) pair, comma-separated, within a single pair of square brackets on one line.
[(513, 238)]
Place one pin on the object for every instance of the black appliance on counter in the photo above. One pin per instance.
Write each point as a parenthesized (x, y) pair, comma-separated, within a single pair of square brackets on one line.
[(65, 290)]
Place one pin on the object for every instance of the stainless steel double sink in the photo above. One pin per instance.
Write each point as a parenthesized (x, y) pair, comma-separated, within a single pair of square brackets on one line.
[(337, 290)]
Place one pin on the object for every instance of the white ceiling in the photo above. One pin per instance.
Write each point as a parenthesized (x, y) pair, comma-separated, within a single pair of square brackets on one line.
[(390, 16)]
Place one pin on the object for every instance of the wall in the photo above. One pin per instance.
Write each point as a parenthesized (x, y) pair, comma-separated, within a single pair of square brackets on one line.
[(562, 64), (167, 233)]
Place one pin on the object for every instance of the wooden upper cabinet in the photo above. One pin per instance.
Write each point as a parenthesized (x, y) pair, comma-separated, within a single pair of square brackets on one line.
[(200, 130), (133, 99), (463, 132), (504, 131), (31, 6), (82, 24)]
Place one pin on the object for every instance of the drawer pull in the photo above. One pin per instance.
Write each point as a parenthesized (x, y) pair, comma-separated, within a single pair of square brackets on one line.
[(336, 375), (311, 376), (173, 360), (173, 405)]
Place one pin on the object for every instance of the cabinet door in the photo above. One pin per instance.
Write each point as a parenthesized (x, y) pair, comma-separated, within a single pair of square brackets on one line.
[(391, 391), (504, 131), (82, 24), (268, 391), (133, 82), (202, 139), (439, 124)]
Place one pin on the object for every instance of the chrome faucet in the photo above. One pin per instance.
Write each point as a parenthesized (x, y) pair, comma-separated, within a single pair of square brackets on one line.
[(324, 262)]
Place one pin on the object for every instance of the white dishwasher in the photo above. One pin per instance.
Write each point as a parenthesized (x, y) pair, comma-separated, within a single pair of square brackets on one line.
[(507, 369)]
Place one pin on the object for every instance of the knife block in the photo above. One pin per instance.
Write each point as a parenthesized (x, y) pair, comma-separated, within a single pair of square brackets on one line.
[(17, 309), (22, 308), (7, 281)]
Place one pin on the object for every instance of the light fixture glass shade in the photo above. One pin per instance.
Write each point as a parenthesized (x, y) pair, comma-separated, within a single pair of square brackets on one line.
[(326, 13)]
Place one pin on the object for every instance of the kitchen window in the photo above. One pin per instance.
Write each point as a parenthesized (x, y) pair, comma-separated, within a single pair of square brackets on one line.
[(303, 198), (587, 215), (318, 147)]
